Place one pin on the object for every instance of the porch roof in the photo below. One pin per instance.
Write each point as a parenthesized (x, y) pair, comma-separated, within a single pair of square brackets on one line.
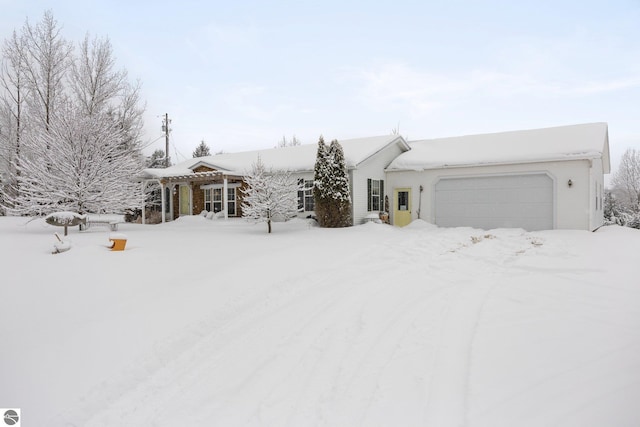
[(188, 176)]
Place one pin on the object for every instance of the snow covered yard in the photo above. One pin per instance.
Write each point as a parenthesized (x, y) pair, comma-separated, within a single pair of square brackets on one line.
[(216, 323)]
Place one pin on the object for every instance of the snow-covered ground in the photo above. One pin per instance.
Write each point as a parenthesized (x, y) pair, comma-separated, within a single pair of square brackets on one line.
[(214, 323)]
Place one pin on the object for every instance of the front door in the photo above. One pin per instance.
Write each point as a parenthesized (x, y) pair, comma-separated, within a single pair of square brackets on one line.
[(185, 202), (402, 207)]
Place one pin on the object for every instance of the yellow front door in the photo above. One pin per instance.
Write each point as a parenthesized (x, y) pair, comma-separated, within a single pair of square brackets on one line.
[(402, 206), (185, 200)]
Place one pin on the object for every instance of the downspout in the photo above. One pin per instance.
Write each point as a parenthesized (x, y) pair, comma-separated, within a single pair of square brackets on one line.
[(420, 201)]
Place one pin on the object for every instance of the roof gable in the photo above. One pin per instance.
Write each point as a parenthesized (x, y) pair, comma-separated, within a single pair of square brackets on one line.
[(584, 141)]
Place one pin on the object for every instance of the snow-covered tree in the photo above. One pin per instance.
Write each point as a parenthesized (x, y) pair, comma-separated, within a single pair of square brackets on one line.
[(13, 93), (627, 180), (612, 208), (269, 195), (156, 160), (286, 143), (60, 112), (321, 183), (47, 56), (340, 193), (79, 165), (331, 193), (202, 150)]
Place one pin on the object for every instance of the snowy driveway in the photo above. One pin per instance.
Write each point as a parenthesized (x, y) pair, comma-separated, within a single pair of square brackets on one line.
[(205, 323)]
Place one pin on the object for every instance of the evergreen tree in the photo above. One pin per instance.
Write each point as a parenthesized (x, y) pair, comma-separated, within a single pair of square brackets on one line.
[(340, 193), (202, 150), (157, 160), (611, 208), (321, 183), (269, 196), (331, 186)]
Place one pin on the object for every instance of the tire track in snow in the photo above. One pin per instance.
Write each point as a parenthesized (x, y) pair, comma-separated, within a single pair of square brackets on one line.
[(312, 338), (449, 388)]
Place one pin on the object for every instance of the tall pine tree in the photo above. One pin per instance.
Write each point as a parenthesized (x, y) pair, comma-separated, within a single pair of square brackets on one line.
[(331, 186), (321, 183), (201, 150), (340, 194)]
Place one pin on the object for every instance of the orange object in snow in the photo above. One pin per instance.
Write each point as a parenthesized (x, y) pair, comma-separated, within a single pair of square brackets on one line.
[(118, 244)]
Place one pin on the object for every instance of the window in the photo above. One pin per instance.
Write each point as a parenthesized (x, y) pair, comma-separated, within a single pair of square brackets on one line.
[(207, 199), (375, 195), (217, 199), (403, 200), (305, 196), (213, 200), (231, 201)]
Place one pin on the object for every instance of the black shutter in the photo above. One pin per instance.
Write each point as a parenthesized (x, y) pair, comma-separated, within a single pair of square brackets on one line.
[(369, 195), (382, 195)]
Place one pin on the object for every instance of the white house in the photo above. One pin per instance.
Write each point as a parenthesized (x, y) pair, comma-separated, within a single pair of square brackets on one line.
[(212, 183), (537, 179), (533, 179)]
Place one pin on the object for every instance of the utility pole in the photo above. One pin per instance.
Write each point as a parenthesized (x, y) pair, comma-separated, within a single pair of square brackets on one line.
[(165, 129)]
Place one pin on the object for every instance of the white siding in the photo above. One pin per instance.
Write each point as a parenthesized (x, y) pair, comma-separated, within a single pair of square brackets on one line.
[(596, 196), (372, 168), (572, 205)]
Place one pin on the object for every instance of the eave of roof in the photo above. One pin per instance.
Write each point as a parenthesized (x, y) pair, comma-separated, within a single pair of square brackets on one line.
[(574, 142)]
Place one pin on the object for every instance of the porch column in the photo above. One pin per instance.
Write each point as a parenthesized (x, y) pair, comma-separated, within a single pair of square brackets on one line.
[(171, 206), (144, 186), (163, 201), (224, 198)]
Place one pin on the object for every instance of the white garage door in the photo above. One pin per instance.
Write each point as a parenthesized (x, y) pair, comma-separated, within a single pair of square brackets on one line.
[(513, 201)]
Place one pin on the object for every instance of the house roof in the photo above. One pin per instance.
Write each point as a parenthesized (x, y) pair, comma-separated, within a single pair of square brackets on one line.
[(299, 158), (582, 141)]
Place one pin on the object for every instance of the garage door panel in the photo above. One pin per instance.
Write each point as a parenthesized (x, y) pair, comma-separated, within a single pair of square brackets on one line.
[(514, 201)]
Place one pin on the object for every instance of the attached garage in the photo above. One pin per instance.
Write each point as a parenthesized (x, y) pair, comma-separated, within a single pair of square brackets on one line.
[(504, 201), (537, 179)]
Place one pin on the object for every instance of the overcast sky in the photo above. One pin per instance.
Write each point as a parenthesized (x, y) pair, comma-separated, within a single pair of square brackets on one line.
[(243, 74)]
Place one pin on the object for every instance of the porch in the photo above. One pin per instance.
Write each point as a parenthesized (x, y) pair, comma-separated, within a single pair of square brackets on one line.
[(202, 190)]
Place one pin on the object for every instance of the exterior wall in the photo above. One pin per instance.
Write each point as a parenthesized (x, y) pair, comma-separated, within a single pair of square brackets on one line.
[(203, 169), (372, 168), (572, 205), (198, 199), (596, 195), (239, 197)]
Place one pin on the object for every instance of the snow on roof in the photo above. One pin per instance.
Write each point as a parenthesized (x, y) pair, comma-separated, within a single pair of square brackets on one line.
[(583, 141), (298, 158)]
